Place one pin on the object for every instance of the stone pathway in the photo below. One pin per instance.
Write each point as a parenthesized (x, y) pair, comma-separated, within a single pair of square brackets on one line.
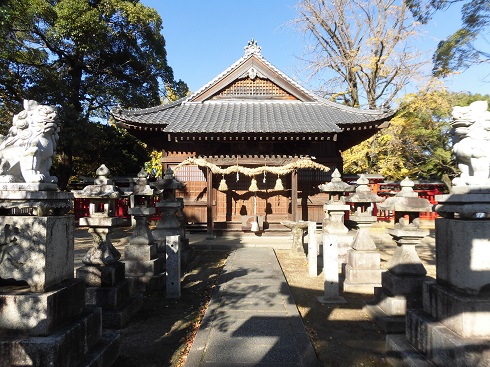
[(252, 319)]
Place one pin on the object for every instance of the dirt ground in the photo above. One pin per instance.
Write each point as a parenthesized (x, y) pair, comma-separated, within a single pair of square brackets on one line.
[(342, 334)]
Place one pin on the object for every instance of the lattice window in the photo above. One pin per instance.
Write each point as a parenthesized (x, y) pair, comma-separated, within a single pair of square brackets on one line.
[(256, 88), (189, 174), (313, 175)]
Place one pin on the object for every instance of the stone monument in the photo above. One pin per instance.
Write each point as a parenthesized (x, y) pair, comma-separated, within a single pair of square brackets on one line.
[(453, 327), (43, 318), (402, 283), (103, 273)]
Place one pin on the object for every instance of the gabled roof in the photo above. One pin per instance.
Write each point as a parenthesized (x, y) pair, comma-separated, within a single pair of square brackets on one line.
[(251, 96)]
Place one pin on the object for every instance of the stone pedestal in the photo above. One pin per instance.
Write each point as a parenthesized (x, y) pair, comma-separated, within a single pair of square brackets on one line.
[(144, 269), (402, 283), (453, 327), (37, 250), (44, 320), (297, 232), (108, 289), (363, 268)]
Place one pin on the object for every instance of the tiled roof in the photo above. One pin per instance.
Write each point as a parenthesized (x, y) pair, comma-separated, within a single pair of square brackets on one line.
[(249, 117), (312, 115)]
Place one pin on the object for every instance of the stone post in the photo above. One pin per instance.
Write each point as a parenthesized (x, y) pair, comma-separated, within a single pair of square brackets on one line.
[(312, 250), (331, 271), (173, 266)]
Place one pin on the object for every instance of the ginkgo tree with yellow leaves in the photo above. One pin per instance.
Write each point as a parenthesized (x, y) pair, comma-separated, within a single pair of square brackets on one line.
[(418, 141)]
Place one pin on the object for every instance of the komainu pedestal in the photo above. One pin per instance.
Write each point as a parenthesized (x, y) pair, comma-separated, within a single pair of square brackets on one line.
[(44, 320), (453, 328), (43, 317)]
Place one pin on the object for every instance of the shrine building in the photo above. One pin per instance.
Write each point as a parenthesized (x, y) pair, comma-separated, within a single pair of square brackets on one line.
[(252, 146)]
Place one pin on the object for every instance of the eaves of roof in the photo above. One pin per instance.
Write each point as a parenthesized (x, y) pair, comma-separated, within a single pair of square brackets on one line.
[(250, 117)]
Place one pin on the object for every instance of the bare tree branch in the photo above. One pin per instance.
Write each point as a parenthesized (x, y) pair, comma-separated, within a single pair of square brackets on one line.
[(366, 43)]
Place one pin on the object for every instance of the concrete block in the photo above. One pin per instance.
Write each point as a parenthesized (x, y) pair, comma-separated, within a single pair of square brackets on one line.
[(119, 317), (364, 259), (466, 315), (393, 305), (372, 276), (442, 346), (105, 352), (462, 253), (39, 314), (395, 284), (108, 298), (145, 268), (102, 275), (140, 252), (361, 288), (388, 323), (146, 284), (39, 250), (66, 347), (400, 353)]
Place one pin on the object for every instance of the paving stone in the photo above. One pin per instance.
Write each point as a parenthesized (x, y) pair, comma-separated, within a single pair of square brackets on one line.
[(252, 319)]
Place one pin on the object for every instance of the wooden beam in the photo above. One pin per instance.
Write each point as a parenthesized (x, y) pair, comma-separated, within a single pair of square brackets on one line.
[(294, 196)]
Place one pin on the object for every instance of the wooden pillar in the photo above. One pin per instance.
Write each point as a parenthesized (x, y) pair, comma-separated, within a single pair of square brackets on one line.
[(209, 201), (164, 163), (294, 195)]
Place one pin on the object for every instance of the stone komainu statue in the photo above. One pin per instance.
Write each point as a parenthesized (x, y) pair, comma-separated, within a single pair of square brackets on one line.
[(27, 151), (471, 126)]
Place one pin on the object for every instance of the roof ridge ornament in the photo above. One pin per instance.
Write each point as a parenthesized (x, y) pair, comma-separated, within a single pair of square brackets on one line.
[(252, 48)]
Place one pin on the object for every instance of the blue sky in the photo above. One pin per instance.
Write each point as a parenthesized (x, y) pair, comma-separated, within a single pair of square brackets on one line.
[(204, 37)]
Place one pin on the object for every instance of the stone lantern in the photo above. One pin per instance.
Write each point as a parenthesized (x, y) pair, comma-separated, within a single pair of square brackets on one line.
[(103, 273), (363, 268), (169, 224), (402, 283), (362, 201), (335, 207), (101, 220), (144, 269), (169, 231)]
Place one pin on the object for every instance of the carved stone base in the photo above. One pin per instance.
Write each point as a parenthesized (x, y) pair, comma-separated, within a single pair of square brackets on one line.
[(78, 343), (39, 314), (112, 294), (37, 250)]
